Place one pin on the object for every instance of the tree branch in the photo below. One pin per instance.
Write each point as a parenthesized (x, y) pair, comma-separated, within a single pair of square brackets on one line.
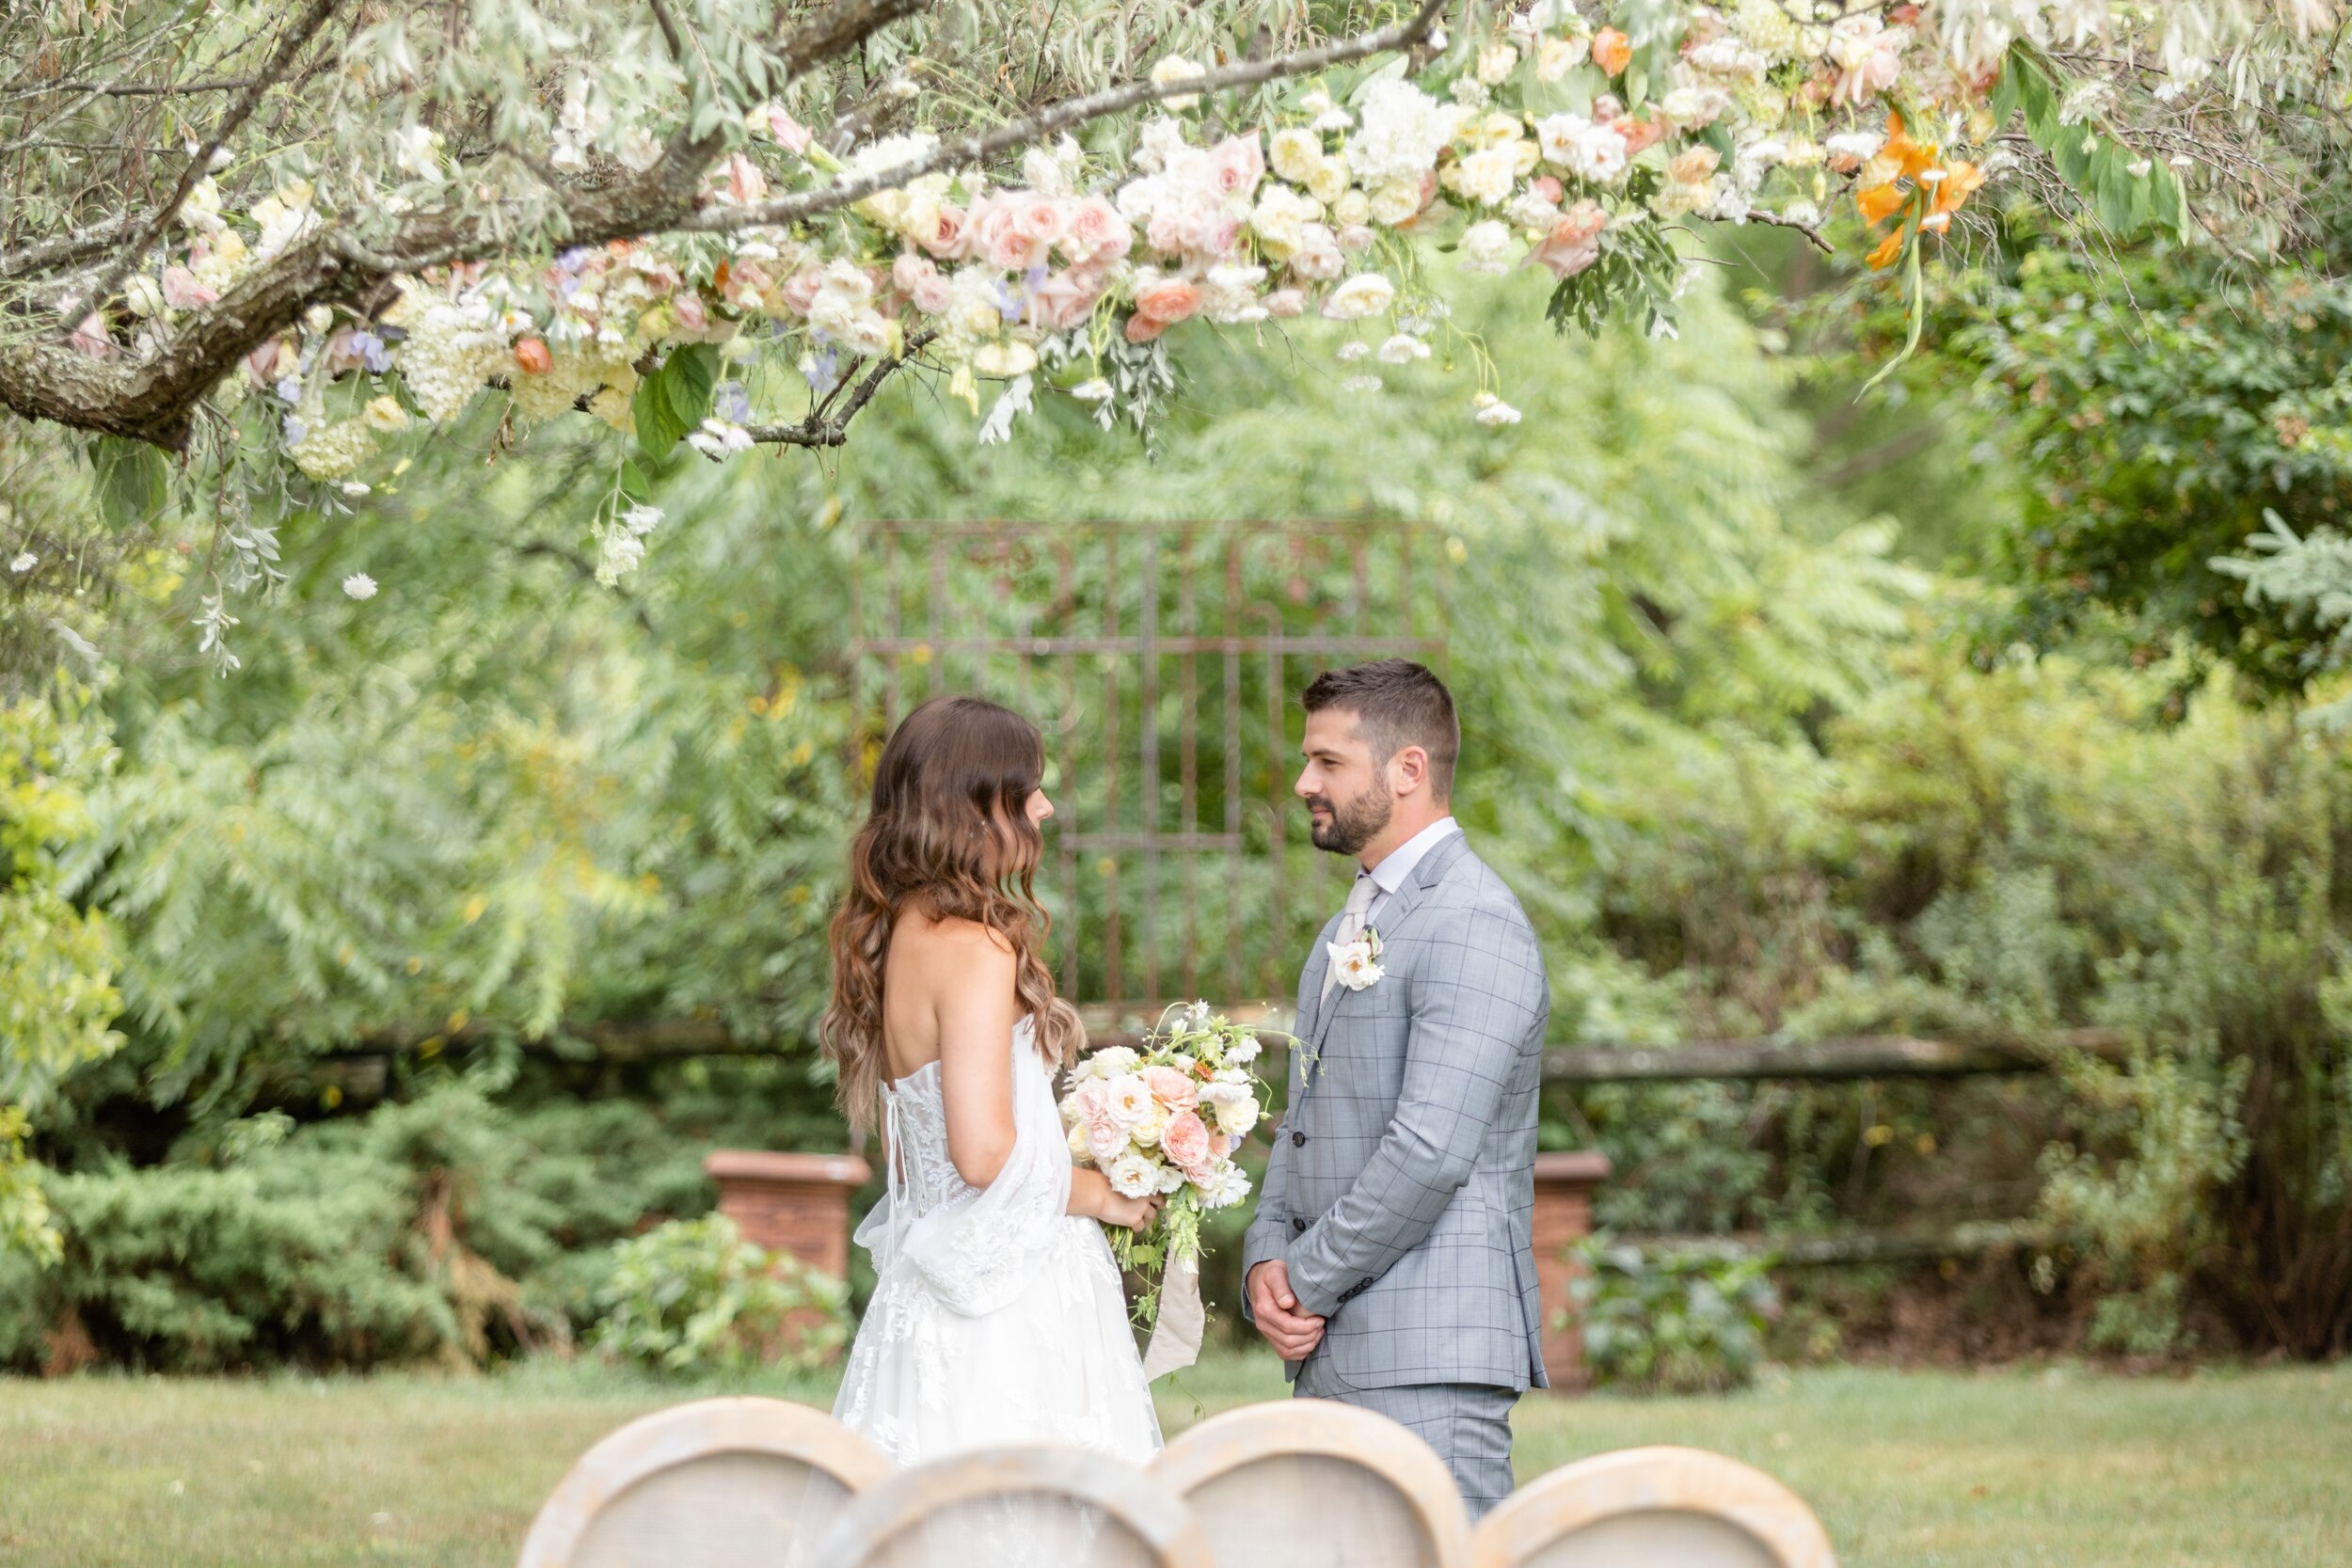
[(154, 400), (64, 249), (1071, 111), (306, 26), (1811, 231), (823, 429)]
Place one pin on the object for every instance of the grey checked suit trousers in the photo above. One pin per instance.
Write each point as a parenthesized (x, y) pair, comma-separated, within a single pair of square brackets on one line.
[(1401, 1189)]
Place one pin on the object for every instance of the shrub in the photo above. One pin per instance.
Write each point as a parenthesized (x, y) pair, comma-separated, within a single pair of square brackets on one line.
[(694, 1296), (1671, 1323)]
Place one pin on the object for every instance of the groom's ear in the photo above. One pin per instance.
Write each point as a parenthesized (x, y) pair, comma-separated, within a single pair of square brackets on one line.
[(1408, 771)]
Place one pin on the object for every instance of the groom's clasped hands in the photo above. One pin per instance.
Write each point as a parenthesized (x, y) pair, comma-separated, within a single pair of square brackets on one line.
[(1274, 1306)]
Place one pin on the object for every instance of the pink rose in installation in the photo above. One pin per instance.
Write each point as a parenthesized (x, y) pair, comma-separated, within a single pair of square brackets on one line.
[(1096, 233)]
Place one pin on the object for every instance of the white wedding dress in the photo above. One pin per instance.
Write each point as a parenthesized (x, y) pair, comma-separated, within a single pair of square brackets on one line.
[(997, 1316)]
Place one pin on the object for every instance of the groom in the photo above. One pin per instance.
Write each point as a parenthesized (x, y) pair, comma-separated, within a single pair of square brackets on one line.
[(1391, 1260)]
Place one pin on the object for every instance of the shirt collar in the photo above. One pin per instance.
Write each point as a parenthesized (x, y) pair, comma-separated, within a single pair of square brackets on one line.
[(1391, 873)]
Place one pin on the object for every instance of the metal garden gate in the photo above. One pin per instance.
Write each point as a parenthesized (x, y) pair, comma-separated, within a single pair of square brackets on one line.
[(1162, 661)]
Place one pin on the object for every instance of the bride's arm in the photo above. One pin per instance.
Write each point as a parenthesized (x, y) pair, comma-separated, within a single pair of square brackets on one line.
[(976, 1011), (1090, 1194)]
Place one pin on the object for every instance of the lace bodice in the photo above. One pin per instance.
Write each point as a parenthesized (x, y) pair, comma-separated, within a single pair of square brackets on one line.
[(915, 1128)]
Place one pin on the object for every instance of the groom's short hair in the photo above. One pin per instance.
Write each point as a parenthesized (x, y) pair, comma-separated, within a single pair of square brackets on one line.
[(1397, 704)]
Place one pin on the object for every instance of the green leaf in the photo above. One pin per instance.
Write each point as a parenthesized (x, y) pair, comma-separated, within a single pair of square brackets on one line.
[(657, 429), (2166, 202), (132, 482), (633, 487), (688, 378)]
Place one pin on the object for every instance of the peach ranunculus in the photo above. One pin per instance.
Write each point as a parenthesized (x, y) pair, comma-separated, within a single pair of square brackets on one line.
[(1166, 301), (1186, 1141), (1612, 50), (532, 356), (1096, 233), (1143, 330), (1574, 242), (1171, 1088), (1640, 135)]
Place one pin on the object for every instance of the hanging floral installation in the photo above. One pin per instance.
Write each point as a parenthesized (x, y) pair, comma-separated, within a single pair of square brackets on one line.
[(689, 251)]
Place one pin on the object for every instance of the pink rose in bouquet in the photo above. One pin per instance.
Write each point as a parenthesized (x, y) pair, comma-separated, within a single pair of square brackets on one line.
[(1186, 1143), (1171, 1088)]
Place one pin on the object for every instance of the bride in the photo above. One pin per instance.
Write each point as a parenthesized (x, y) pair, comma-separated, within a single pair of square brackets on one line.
[(997, 1314)]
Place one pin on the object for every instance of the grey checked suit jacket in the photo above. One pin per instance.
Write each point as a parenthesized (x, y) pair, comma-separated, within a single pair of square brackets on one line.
[(1401, 1189)]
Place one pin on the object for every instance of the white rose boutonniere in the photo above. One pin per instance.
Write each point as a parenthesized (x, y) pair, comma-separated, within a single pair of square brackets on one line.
[(1358, 961)]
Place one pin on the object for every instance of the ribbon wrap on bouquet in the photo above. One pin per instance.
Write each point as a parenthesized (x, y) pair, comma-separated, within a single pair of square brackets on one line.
[(1176, 1336)]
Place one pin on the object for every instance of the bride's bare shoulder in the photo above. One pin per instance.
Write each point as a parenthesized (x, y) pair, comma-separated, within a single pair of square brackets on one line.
[(948, 945)]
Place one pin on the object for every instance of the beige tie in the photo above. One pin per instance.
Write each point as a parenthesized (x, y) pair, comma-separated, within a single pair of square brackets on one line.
[(1359, 899)]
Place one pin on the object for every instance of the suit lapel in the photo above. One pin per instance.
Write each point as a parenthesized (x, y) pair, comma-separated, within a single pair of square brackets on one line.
[(1429, 873)]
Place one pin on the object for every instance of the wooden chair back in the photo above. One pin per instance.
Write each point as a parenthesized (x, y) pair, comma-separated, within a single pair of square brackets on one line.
[(1639, 1508)]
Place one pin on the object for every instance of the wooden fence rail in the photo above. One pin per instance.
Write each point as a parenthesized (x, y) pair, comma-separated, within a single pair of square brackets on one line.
[(1841, 1057)]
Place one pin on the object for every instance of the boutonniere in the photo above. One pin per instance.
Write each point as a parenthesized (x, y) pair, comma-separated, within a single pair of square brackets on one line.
[(1358, 961)]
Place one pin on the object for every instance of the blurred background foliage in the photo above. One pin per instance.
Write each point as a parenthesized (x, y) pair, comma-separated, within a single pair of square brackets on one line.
[(1786, 713)]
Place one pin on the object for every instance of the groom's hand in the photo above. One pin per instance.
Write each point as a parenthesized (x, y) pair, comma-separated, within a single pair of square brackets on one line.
[(1291, 1333)]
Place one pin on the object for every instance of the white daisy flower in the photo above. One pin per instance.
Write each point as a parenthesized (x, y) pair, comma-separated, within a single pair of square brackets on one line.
[(359, 586)]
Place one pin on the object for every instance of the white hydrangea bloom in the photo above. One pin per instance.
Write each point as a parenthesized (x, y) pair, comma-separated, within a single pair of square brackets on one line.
[(1403, 130)]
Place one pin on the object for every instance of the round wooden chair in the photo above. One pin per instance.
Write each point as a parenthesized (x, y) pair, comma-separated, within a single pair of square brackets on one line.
[(716, 1483), (1639, 1508), (1309, 1483), (1036, 1507)]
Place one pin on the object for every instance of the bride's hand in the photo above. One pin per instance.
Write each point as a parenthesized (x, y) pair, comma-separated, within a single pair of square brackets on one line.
[(1136, 1213)]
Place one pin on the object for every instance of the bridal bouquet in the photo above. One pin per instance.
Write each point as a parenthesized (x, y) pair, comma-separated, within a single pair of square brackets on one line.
[(1166, 1120)]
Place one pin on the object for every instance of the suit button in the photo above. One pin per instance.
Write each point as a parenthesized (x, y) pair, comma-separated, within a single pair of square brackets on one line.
[(1298, 1140), (1298, 1226)]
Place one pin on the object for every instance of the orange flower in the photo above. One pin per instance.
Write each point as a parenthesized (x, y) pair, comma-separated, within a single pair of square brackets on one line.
[(1612, 50), (532, 354), (1961, 181), (1880, 202), (1889, 250)]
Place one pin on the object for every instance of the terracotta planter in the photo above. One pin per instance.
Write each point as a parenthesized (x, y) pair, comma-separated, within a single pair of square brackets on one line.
[(1564, 1216), (795, 1203)]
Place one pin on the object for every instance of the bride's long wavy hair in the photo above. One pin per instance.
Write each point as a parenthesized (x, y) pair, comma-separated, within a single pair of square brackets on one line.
[(950, 828)]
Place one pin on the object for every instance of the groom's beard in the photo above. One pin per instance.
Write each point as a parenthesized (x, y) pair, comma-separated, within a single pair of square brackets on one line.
[(1349, 828)]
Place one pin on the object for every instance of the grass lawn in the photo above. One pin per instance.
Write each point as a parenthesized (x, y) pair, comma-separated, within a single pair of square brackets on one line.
[(2228, 1469)]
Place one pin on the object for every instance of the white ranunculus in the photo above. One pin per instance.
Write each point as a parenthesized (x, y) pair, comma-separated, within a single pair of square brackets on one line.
[(1486, 247), (1365, 295), (1293, 152)]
